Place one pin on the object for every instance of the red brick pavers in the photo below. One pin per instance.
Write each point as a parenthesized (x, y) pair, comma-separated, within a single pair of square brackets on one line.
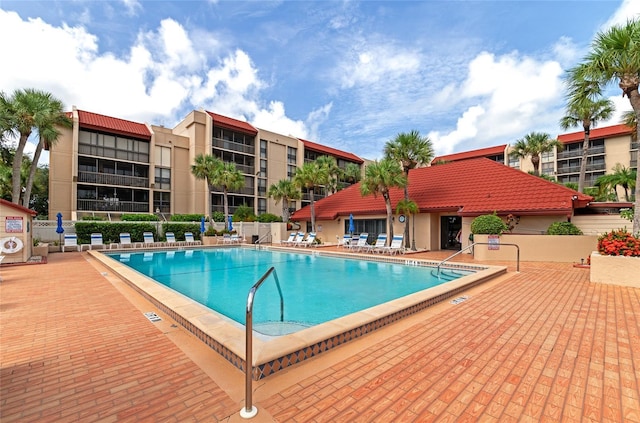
[(72, 348), (545, 345)]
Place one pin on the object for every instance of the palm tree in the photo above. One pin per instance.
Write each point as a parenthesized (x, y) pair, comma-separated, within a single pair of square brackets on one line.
[(352, 173), (205, 167), (534, 144), (614, 58), (379, 178), (333, 170), (21, 113), (410, 150), (284, 190), (411, 208), (622, 176), (229, 178), (630, 119), (310, 176), (583, 110)]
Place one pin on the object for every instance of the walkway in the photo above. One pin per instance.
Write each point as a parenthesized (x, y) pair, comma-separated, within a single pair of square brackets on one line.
[(541, 345)]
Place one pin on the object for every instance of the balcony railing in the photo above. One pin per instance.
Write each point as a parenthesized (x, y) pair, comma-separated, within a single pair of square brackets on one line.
[(111, 179), (576, 169), (578, 153), (307, 196), (112, 204), (234, 146), (635, 145)]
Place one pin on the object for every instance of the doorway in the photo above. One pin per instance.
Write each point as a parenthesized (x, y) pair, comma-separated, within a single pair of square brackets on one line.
[(450, 226)]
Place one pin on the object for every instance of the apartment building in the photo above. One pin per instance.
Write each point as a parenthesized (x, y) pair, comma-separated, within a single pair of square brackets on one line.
[(105, 166), (608, 146)]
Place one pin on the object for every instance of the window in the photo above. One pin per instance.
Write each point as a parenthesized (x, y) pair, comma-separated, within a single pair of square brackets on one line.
[(162, 178), (262, 205), (547, 168), (163, 156), (263, 149), (292, 155), (162, 202), (514, 162), (547, 156), (113, 146)]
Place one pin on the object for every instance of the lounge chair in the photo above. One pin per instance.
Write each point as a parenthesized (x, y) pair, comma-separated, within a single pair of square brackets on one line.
[(148, 240), (96, 241), (171, 239), (189, 240), (361, 244), (345, 241), (298, 239), (396, 245), (379, 245), (125, 241), (70, 241), (289, 241), (309, 241), (235, 239)]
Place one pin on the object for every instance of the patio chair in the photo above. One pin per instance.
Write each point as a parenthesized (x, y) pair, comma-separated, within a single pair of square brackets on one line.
[(235, 239), (288, 241), (125, 241), (361, 244), (171, 239), (190, 240), (298, 239), (344, 242), (396, 245), (70, 241), (96, 241), (309, 241), (379, 245), (148, 239)]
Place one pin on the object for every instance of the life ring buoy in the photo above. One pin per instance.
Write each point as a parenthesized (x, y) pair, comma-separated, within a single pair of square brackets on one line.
[(11, 245)]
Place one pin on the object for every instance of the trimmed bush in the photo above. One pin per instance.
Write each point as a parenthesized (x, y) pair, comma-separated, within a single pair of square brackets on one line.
[(489, 224), (139, 218), (187, 218), (268, 218), (563, 228)]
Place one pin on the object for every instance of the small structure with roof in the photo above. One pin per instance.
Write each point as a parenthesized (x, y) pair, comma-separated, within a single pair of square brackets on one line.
[(16, 232)]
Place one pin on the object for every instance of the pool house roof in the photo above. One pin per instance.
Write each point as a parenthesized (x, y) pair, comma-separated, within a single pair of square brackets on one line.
[(470, 188)]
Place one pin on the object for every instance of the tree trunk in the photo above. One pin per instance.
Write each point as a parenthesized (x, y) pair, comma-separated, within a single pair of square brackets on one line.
[(407, 242), (313, 211), (583, 163), (634, 98), (17, 165), (208, 203), (225, 205), (285, 210), (387, 203), (32, 176), (535, 161)]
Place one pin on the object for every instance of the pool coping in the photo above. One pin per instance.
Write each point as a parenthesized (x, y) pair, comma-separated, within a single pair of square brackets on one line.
[(271, 354)]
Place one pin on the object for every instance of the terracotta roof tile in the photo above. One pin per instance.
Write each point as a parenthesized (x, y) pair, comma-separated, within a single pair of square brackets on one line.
[(606, 132), (114, 125), (472, 154), (470, 187), (231, 123), (331, 151)]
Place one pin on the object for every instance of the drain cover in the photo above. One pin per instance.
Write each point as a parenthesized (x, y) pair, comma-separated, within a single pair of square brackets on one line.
[(152, 316), (459, 299)]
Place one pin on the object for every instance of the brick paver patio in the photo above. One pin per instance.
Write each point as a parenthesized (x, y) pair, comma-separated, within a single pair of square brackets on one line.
[(542, 345)]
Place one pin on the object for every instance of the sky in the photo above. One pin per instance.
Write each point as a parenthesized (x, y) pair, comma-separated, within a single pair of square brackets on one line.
[(347, 74)]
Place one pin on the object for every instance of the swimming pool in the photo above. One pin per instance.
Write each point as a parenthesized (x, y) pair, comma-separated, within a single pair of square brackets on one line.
[(316, 289), (274, 353)]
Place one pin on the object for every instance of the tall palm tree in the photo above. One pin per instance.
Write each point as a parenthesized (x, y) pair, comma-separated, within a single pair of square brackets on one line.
[(205, 166), (614, 58), (379, 178), (622, 176), (229, 178), (630, 119), (411, 208), (352, 173), (284, 190), (411, 150), (583, 110), (310, 176), (333, 170), (534, 144), (21, 113)]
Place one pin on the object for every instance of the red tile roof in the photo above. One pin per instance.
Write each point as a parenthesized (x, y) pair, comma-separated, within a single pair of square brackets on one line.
[(233, 124), (606, 132), (114, 125), (331, 151), (470, 187), (472, 154), (6, 203)]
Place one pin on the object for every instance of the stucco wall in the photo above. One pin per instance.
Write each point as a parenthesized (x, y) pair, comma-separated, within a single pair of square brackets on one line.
[(598, 224), (554, 248), (615, 270), (18, 218)]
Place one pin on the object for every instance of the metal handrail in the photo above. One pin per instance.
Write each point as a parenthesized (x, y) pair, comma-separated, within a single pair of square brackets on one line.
[(483, 243), (268, 234), (249, 410)]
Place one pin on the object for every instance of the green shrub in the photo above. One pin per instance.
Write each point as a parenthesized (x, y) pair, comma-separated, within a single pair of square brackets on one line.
[(244, 213), (111, 231), (268, 218), (139, 218), (488, 224), (563, 228), (187, 218), (94, 218), (218, 216), (179, 229)]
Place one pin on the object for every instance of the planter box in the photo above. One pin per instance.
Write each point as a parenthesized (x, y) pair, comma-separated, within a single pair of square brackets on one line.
[(209, 240), (40, 250), (615, 270)]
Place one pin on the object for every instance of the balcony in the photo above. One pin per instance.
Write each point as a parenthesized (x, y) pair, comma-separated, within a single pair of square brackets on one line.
[(113, 204), (307, 196), (635, 145), (234, 146), (593, 151), (111, 179), (576, 169)]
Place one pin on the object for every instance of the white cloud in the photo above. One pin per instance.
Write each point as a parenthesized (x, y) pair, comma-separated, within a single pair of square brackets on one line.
[(275, 119), (466, 128), (629, 9), (132, 7)]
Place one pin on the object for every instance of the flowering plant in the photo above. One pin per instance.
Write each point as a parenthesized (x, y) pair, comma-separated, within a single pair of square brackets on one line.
[(619, 243)]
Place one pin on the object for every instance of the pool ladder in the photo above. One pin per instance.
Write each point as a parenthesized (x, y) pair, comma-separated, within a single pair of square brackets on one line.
[(249, 410)]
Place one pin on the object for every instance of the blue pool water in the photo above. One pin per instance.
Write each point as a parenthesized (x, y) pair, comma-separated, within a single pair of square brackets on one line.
[(316, 288)]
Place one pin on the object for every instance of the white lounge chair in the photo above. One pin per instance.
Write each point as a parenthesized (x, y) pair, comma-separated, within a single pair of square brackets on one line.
[(396, 245), (171, 239), (125, 241), (96, 241), (309, 241), (148, 240), (361, 244), (345, 241), (190, 240), (289, 241), (298, 239), (70, 241), (379, 245)]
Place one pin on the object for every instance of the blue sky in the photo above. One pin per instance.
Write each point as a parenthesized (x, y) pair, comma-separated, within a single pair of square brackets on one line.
[(350, 74)]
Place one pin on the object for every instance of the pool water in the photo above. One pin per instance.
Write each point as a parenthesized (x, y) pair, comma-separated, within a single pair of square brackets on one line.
[(315, 288)]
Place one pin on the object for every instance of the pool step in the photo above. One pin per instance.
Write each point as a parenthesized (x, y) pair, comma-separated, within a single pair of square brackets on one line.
[(277, 328)]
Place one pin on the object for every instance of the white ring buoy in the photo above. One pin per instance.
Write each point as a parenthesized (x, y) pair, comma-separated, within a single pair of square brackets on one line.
[(10, 245)]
